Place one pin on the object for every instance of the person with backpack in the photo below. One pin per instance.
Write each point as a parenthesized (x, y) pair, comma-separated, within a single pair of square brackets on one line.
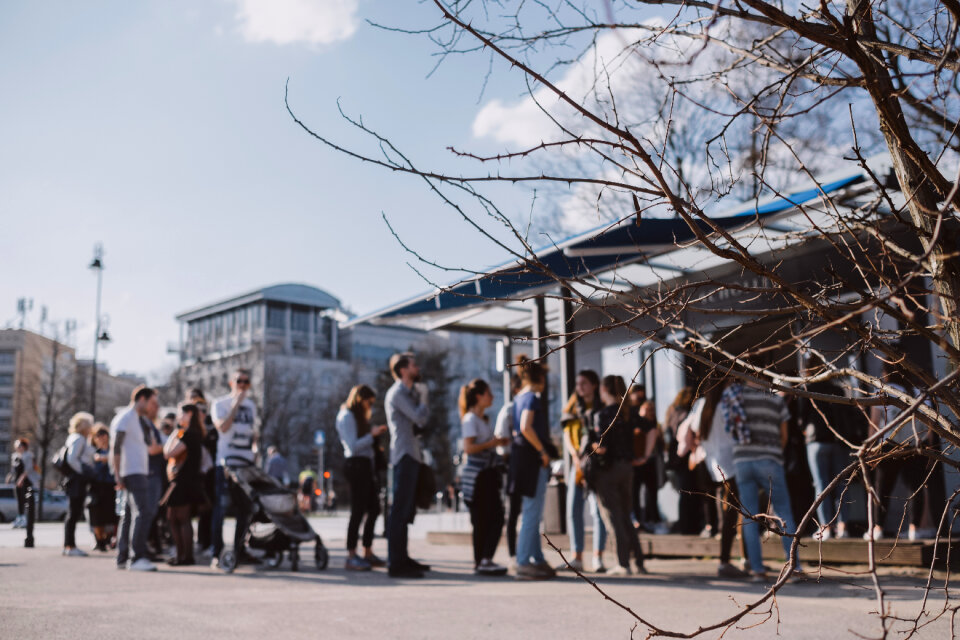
[(530, 457), (79, 458), (480, 478)]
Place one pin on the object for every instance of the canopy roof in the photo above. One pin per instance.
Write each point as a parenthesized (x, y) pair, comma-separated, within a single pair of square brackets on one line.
[(632, 253)]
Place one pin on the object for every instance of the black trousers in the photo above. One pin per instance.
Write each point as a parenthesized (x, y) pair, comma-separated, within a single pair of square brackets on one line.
[(21, 493), (728, 502), (646, 483), (74, 513), (516, 505), (364, 500), (486, 515)]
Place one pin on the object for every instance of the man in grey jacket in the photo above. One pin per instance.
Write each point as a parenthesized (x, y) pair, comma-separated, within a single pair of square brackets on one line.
[(407, 414)]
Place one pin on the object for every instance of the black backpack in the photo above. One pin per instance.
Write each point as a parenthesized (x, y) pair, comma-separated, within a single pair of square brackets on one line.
[(60, 463)]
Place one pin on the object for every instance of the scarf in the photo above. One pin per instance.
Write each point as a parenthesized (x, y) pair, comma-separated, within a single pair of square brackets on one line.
[(734, 417)]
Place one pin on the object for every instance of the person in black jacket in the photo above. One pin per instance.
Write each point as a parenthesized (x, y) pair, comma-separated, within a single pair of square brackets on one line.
[(184, 454), (609, 471)]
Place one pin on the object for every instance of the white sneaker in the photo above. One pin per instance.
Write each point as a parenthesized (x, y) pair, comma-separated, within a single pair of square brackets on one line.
[(823, 534), (142, 565), (876, 534), (19, 522), (75, 553), (574, 565), (912, 533), (598, 566), (618, 571)]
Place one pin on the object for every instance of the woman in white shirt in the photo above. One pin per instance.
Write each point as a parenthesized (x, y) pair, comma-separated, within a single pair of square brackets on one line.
[(480, 478), (80, 459), (705, 433)]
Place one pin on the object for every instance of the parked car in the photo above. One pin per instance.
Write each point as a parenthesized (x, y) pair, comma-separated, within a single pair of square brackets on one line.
[(54, 504)]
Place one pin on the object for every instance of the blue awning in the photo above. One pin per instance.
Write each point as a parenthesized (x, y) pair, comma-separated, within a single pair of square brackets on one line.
[(592, 252)]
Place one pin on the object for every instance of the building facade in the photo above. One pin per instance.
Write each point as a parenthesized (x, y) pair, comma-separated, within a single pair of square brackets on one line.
[(37, 391)]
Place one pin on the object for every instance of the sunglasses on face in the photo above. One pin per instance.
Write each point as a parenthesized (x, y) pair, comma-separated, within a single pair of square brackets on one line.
[(243, 380)]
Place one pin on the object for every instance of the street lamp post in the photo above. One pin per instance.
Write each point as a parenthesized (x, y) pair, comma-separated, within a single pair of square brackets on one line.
[(96, 265)]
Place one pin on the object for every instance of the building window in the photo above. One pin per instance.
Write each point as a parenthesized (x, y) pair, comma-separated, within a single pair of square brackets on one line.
[(4, 425), (300, 320), (7, 357), (244, 315), (276, 317), (6, 379), (231, 321), (6, 402)]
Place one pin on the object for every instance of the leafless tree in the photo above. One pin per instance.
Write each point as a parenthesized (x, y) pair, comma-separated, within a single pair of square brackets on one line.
[(51, 398), (298, 400), (743, 98)]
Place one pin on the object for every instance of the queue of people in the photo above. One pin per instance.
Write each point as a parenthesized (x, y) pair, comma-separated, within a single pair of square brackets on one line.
[(725, 450), (143, 485)]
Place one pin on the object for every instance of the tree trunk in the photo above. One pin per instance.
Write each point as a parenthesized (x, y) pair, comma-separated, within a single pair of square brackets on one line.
[(916, 174)]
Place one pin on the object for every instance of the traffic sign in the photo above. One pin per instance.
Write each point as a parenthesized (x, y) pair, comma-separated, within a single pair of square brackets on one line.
[(319, 438)]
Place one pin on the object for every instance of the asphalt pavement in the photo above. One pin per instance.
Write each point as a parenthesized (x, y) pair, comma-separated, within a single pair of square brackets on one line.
[(44, 595)]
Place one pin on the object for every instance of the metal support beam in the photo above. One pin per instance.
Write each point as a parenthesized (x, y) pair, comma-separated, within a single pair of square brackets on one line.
[(506, 359), (540, 342), (568, 360)]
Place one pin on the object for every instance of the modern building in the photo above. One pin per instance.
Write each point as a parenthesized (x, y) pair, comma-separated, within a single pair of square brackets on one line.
[(653, 255), (37, 392)]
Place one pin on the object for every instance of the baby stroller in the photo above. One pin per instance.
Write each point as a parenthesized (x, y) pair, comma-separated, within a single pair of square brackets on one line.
[(276, 525)]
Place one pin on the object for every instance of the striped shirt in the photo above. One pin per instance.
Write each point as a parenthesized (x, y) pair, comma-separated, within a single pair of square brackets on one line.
[(765, 412)]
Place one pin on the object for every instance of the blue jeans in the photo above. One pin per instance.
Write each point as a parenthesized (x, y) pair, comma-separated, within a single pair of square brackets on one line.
[(138, 514), (529, 550), (752, 476), (827, 460), (402, 510), (576, 496)]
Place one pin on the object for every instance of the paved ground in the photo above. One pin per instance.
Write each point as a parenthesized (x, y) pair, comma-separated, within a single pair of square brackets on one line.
[(43, 595)]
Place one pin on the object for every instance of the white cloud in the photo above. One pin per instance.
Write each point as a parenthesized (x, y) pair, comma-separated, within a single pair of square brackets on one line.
[(314, 22)]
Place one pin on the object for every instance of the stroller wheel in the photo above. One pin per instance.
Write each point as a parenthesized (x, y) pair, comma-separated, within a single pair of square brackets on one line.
[(321, 556), (228, 561), (273, 560)]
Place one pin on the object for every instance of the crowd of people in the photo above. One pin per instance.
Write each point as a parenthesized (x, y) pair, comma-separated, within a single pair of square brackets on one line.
[(144, 483)]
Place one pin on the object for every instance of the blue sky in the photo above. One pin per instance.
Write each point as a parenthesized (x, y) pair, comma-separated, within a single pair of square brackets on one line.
[(158, 128)]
